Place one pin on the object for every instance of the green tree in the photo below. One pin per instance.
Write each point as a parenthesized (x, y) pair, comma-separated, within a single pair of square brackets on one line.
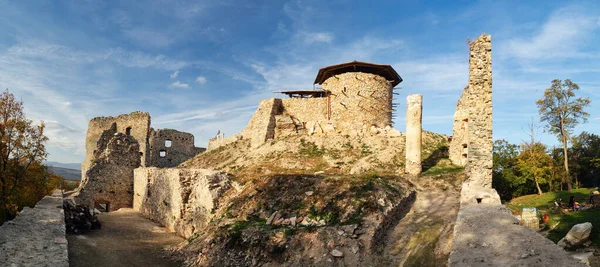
[(21, 152), (535, 164), (585, 153), (504, 170), (562, 112)]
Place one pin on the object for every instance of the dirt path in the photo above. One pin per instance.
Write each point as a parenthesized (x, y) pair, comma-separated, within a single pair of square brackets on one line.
[(126, 239), (424, 236)]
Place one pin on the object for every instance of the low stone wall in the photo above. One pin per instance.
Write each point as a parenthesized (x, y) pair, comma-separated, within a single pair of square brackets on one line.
[(489, 235), (180, 199), (36, 237)]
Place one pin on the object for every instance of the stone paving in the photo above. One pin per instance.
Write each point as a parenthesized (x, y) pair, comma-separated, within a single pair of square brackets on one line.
[(36, 237)]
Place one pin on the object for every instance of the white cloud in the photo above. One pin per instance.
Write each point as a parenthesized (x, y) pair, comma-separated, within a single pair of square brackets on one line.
[(132, 59), (561, 36), (178, 84), (175, 74), (201, 80), (316, 37)]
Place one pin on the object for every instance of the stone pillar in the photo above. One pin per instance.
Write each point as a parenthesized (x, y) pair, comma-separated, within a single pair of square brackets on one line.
[(414, 110)]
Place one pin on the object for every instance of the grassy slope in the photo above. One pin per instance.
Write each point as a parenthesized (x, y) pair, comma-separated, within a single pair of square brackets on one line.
[(545, 204)]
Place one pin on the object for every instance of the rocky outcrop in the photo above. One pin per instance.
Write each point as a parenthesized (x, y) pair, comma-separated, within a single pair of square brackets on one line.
[(36, 237)]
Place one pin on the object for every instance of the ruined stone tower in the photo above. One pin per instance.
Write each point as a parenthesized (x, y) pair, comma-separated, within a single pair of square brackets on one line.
[(472, 141), (115, 146), (361, 94)]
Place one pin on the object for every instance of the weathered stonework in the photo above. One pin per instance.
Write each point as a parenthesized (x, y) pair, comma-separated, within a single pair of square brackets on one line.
[(138, 124), (352, 103), (359, 100), (117, 145), (414, 111), (109, 180), (262, 125), (182, 200), (459, 146), (169, 148), (36, 237), (472, 141)]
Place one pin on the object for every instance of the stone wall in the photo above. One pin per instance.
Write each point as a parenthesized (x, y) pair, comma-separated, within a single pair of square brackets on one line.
[(138, 122), (182, 200), (219, 141), (306, 109), (109, 179), (359, 101), (479, 127), (169, 148), (459, 145), (36, 237), (472, 141), (262, 125)]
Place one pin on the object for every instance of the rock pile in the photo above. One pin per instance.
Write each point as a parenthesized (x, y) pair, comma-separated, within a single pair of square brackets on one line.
[(79, 219)]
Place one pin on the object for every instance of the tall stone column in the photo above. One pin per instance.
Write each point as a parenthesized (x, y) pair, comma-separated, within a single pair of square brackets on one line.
[(414, 112)]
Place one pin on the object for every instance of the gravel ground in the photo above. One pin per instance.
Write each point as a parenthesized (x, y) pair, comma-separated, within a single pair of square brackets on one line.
[(126, 239)]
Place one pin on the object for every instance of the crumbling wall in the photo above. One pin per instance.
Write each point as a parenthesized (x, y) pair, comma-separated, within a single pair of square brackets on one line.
[(359, 101), (169, 148), (138, 122), (479, 127), (182, 200), (262, 125), (459, 145), (109, 179), (219, 141), (473, 127)]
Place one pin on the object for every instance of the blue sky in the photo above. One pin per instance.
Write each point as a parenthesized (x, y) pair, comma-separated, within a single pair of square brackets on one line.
[(203, 66)]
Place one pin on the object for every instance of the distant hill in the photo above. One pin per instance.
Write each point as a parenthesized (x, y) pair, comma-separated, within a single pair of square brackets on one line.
[(74, 166), (68, 174)]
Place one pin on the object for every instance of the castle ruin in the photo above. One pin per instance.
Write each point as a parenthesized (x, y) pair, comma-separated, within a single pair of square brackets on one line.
[(472, 141), (115, 146), (355, 98)]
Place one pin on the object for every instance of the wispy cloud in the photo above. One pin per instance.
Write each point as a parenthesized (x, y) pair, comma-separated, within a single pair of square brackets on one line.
[(316, 37), (134, 59), (201, 80), (561, 36), (178, 84), (175, 74)]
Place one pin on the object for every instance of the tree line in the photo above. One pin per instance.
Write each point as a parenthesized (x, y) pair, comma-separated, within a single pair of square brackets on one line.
[(533, 167), (24, 180)]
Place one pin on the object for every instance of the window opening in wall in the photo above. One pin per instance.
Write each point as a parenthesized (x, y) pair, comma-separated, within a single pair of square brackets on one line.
[(478, 200), (128, 131), (162, 153), (168, 143)]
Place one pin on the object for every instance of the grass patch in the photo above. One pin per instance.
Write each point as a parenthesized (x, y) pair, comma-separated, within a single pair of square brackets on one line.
[(545, 204), (438, 170), (310, 149)]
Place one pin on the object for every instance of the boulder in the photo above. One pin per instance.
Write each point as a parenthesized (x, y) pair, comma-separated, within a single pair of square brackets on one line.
[(577, 235)]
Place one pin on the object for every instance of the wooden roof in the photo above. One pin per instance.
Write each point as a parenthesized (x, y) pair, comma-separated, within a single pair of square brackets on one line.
[(302, 93), (385, 71)]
